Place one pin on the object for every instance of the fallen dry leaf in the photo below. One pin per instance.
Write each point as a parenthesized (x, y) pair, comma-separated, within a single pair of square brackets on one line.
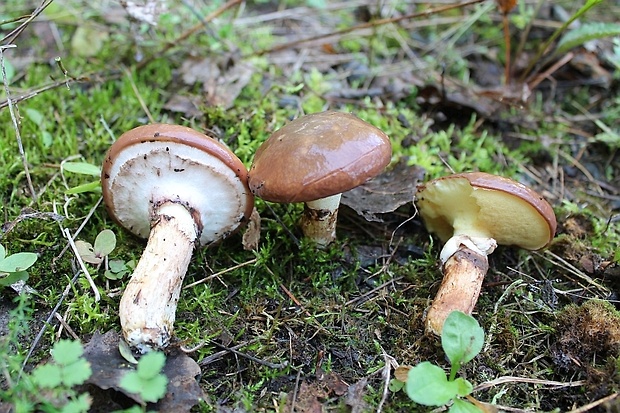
[(386, 192), (109, 367), (222, 79)]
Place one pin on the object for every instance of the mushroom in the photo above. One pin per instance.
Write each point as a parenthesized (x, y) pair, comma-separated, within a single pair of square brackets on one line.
[(180, 189), (473, 213), (313, 159)]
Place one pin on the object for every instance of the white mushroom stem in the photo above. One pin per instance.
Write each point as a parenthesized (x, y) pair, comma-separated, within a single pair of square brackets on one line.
[(148, 305), (318, 222), (464, 265)]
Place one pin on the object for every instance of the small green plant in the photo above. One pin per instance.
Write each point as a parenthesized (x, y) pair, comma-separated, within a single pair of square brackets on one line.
[(83, 168), (96, 254), (427, 384), (105, 242), (147, 380), (49, 387), (13, 267)]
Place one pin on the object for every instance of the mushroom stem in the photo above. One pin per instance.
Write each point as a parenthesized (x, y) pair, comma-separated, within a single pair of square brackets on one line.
[(464, 266), (148, 305), (318, 222)]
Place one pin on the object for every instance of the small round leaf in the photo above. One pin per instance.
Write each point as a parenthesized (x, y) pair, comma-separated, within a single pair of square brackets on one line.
[(462, 337)]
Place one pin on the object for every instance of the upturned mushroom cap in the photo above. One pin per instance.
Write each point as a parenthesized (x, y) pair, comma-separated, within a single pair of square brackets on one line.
[(153, 164), (318, 155), (478, 204)]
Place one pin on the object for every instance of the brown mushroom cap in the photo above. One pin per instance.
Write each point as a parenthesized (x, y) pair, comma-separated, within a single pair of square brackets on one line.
[(481, 204), (318, 155), (153, 164)]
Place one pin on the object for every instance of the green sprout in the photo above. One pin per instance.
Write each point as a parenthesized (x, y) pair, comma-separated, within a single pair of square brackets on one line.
[(105, 242), (13, 267), (147, 380), (462, 339), (67, 369), (83, 168)]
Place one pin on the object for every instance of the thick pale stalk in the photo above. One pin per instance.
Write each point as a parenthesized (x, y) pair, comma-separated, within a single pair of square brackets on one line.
[(463, 273), (148, 305), (318, 222)]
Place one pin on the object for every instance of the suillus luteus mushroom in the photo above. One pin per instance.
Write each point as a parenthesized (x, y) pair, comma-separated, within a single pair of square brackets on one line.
[(313, 159), (473, 213), (180, 189)]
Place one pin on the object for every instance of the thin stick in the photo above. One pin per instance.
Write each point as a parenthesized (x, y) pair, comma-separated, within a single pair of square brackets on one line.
[(138, 95), (18, 136), (512, 379), (216, 13), (595, 403), (507, 44), (217, 274), (47, 322), (371, 24), (252, 358), (82, 265)]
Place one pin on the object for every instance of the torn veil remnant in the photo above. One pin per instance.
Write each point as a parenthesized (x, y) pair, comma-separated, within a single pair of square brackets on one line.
[(473, 213), (179, 188), (313, 159)]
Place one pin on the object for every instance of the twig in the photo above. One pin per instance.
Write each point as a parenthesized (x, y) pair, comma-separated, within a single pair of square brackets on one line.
[(11, 36), (251, 358), (512, 379), (594, 404), (138, 95), (217, 274), (82, 265), (78, 230), (18, 136), (36, 340), (216, 13), (66, 326), (371, 24), (213, 357)]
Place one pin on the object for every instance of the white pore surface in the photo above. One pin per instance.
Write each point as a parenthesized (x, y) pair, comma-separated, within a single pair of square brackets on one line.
[(146, 175)]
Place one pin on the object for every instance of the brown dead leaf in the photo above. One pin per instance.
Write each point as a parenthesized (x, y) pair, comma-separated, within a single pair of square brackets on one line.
[(355, 397), (222, 79), (251, 236), (386, 192), (109, 367), (187, 105), (401, 373)]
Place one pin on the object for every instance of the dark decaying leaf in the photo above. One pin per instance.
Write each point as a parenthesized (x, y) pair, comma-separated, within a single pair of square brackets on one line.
[(221, 81), (109, 367), (385, 193)]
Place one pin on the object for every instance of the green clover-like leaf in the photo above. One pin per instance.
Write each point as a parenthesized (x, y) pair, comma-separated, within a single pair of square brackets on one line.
[(12, 278), (76, 373), (428, 385), (47, 376), (66, 352), (464, 387), (150, 364)]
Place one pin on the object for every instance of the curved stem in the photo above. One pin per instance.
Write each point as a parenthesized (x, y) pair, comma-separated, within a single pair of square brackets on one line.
[(148, 305), (463, 273)]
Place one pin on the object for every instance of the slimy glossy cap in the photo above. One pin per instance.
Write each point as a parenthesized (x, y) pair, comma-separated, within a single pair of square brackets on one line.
[(316, 156)]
